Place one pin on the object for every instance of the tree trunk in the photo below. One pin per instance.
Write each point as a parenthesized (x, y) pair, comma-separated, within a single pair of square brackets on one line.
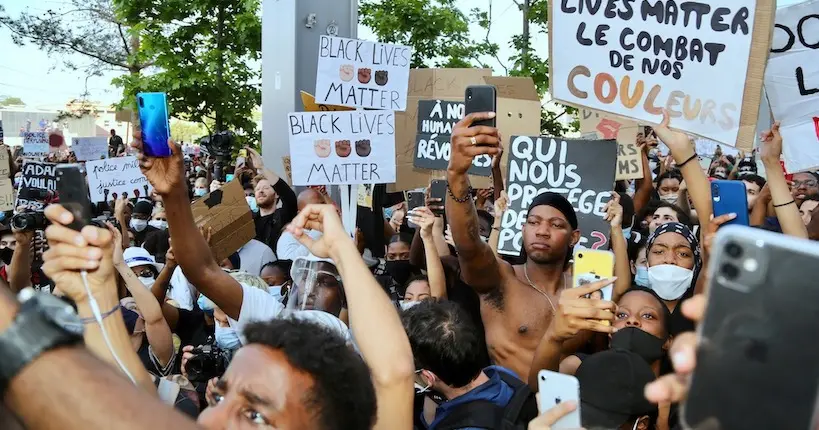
[(220, 67), (524, 7)]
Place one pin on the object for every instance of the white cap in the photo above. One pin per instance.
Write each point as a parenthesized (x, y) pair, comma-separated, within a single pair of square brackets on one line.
[(136, 256)]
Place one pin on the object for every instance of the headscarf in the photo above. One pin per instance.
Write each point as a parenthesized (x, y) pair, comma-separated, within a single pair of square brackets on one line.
[(675, 227)]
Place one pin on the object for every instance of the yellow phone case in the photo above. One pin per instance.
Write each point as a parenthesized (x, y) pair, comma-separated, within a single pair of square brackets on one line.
[(591, 266)]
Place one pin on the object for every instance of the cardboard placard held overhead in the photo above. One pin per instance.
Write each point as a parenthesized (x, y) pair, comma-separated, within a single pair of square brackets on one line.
[(35, 143), (38, 186), (603, 126), (705, 65), (6, 195), (90, 148), (227, 213), (518, 114), (116, 176)]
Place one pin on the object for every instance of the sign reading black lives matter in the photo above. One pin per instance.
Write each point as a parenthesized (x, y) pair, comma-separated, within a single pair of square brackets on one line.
[(580, 170), (38, 186), (436, 119)]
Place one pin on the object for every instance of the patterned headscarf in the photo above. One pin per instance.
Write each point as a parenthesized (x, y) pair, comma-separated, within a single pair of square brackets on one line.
[(675, 227)]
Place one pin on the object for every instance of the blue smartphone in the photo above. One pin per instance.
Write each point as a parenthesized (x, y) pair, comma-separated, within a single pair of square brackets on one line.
[(153, 117), (730, 197)]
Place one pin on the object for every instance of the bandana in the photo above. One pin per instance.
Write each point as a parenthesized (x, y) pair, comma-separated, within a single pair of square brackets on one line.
[(675, 227)]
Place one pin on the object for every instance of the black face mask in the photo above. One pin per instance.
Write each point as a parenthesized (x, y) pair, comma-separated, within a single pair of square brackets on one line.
[(400, 270), (642, 343), (5, 255)]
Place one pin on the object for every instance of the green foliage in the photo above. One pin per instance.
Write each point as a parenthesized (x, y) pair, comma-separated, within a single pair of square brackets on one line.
[(11, 101), (187, 131)]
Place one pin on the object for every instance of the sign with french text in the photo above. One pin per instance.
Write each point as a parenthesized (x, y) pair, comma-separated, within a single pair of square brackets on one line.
[(38, 186), (5, 163), (436, 120), (90, 148), (336, 148), (792, 83), (2, 142), (35, 143), (596, 125), (580, 170), (6, 195), (363, 74), (116, 176)]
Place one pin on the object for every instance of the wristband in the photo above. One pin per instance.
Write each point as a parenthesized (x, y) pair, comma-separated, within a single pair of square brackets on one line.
[(679, 166), (92, 320), (784, 204), (461, 200)]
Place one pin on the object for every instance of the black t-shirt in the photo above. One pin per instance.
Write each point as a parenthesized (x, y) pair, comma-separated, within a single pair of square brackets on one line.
[(157, 244), (140, 236), (269, 227)]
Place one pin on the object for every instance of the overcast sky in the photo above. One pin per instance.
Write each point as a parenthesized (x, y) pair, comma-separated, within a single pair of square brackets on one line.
[(40, 80)]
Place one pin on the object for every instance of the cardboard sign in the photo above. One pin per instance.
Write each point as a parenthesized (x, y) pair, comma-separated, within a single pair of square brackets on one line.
[(436, 118), (2, 142), (38, 186), (602, 126), (703, 64), (364, 74), (116, 176), (90, 148), (335, 148), (6, 195), (365, 195), (580, 170), (288, 169), (5, 166), (310, 104), (227, 213), (792, 83), (35, 143)]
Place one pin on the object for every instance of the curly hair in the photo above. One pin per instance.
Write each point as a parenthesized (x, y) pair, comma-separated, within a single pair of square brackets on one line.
[(342, 396)]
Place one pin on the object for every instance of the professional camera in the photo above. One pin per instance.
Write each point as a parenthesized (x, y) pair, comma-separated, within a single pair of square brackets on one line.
[(29, 221), (219, 145), (99, 221), (208, 362)]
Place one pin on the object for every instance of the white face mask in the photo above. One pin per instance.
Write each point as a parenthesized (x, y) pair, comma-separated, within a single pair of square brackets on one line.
[(669, 281), (147, 281), (162, 225), (251, 201), (139, 224), (226, 337), (407, 304), (670, 198), (199, 192)]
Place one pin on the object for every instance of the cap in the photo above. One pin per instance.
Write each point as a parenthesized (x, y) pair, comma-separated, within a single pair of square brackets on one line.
[(136, 256), (143, 207)]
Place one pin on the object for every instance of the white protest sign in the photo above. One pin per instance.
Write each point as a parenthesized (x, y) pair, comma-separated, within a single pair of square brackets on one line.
[(35, 143), (116, 176), (364, 74), (335, 148), (90, 148), (792, 83), (634, 58)]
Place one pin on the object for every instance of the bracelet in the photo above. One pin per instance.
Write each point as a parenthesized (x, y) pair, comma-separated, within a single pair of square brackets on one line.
[(462, 200), (679, 166), (498, 229), (92, 320), (784, 204)]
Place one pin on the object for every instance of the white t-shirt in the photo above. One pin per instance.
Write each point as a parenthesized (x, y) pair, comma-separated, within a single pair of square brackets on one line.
[(181, 291), (289, 248), (254, 256)]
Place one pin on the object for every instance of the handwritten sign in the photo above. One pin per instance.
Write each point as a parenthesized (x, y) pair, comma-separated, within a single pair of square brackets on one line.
[(335, 148), (90, 148), (227, 213), (116, 176), (792, 83), (637, 57), (35, 143), (310, 105), (2, 142), (5, 166), (38, 186), (362, 74), (580, 170), (436, 119), (6, 195), (596, 125)]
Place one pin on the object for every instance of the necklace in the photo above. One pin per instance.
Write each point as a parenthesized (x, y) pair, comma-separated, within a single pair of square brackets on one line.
[(532, 284)]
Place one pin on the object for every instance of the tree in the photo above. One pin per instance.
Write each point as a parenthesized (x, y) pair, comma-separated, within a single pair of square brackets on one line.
[(11, 101), (186, 131)]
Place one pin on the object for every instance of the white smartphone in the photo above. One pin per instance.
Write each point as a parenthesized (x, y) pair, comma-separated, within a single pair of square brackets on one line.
[(555, 388)]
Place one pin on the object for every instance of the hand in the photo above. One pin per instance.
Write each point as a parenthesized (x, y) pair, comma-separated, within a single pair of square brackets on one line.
[(487, 142), (166, 174), (434, 204), (683, 187), (678, 142), (187, 354), (496, 160), (673, 388), (501, 204), (813, 225), (207, 233), (575, 312), (424, 219), (23, 238), (170, 260), (614, 211), (764, 195), (255, 158), (117, 253), (119, 208), (711, 232), (325, 219), (771, 145), (448, 237), (71, 252), (547, 419), (483, 195)]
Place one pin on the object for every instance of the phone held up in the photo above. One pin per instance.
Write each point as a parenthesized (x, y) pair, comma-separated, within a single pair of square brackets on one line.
[(415, 200), (481, 98), (555, 388), (437, 190), (153, 117), (73, 194), (730, 197)]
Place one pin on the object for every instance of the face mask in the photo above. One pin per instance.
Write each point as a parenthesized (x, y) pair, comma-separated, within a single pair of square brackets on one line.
[(642, 343), (198, 169), (641, 277), (388, 213), (427, 391), (251, 201), (147, 281), (6, 254), (400, 270), (162, 225), (669, 281), (406, 304), (199, 192), (627, 233), (205, 304), (670, 198), (16, 182), (276, 291), (139, 224), (227, 338)]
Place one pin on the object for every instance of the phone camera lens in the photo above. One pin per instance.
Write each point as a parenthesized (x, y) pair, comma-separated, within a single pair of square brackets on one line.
[(730, 271), (733, 250), (579, 256), (141, 102)]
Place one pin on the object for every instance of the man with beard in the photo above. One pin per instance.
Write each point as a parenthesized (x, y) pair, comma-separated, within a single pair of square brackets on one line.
[(268, 187)]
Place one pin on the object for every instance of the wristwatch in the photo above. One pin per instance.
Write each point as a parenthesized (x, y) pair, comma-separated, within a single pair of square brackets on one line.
[(42, 323)]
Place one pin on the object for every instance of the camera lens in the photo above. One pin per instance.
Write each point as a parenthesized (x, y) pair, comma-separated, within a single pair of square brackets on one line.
[(730, 271), (733, 250), (579, 256), (141, 102)]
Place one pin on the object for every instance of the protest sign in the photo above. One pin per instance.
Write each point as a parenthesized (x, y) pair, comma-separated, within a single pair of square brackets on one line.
[(116, 176), (38, 186), (702, 62), (226, 212), (364, 74), (580, 170), (792, 83), (2, 142), (35, 143), (436, 118), (288, 170), (596, 125), (310, 104), (335, 148), (5, 167), (6, 195), (90, 148)]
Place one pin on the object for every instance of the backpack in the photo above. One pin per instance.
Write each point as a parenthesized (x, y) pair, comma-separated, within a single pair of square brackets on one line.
[(483, 414)]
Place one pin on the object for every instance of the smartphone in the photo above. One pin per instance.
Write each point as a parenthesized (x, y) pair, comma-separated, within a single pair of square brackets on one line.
[(555, 388), (730, 197), (241, 161), (437, 190), (481, 98), (757, 359), (153, 117), (73, 194), (592, 265)]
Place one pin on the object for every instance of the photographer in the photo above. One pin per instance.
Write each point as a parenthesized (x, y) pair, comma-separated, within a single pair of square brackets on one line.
[(17, 270)]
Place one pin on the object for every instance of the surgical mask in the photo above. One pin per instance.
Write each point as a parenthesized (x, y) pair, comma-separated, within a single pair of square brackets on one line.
[(427, 391), (641, 277), (388, 213), (199, 192), (400, 270), (198, 169), (627, 233), (640, 342), (205, 304), (227, 338), (406, 304), (162, 225), (276, 291), (147, 281), (670, 198), (251, 201), (669, 281), (138, 224)]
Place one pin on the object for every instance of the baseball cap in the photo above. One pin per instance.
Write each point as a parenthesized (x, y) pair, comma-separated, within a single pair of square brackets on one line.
[(136, 256)]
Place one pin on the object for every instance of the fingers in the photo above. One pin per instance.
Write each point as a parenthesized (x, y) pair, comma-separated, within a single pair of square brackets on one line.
[(775, 127), (589, 288), (56, 233), (480, 130), (468, 120), (720, 220), (556, 413), (590, 313), (58, 214), (694, 308), (666, 119), (96, 236), (670, 388)]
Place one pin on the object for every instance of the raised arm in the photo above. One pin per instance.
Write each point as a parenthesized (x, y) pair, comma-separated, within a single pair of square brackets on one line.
[(20, 268), (622, 268), (374, 320), (645, 186), (286, 194), (497, 176), (119, 214), (501, 204), (783, 202), (479, 266), (424, 219)]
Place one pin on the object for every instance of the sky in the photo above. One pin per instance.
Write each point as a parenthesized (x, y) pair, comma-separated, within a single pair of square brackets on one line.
[(41, 81)]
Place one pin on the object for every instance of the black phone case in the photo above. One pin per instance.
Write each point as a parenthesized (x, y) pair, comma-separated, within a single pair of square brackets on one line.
[(758, 356), (438, 191), (481, 98), (73, 193)]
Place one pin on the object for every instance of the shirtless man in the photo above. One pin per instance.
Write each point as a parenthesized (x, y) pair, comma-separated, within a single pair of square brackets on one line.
[(517, 302)]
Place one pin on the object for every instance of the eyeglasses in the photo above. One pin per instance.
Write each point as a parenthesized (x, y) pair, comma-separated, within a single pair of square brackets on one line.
[(146, 274), (808, 183)]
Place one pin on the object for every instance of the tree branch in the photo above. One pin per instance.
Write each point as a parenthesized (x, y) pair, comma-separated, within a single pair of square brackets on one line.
[(486, 37), (124, 41)]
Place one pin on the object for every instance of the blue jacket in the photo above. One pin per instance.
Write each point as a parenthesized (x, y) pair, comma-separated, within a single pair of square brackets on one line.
[(494, 390)]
